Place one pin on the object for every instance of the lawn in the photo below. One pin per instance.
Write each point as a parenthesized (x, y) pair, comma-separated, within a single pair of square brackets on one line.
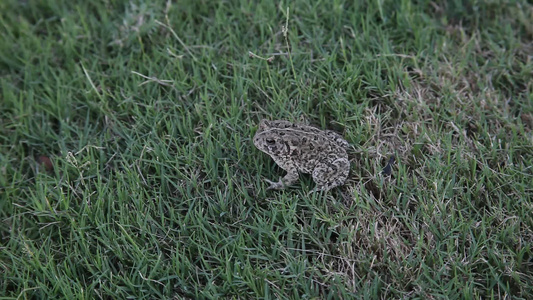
[(127, 168)]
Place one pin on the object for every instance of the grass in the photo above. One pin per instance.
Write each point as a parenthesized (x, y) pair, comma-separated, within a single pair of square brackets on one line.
[(127, 167)]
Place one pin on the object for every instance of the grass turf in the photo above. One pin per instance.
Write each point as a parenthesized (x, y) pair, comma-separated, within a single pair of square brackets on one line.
[(128, 171)]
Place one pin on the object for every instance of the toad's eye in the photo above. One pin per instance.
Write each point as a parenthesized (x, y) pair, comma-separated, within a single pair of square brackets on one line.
[(270, 141)]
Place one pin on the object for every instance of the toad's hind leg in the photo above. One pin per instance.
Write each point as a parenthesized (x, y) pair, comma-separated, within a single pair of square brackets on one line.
[(330, 175)]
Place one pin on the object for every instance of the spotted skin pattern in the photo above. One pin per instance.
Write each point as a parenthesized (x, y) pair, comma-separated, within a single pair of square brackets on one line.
[(298, 148)]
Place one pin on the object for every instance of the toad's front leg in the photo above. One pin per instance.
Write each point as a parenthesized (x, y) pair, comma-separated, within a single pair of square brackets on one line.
[(289, 179)]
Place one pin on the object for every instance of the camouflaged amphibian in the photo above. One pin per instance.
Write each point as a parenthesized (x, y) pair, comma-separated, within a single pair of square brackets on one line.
[(300, 148)]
